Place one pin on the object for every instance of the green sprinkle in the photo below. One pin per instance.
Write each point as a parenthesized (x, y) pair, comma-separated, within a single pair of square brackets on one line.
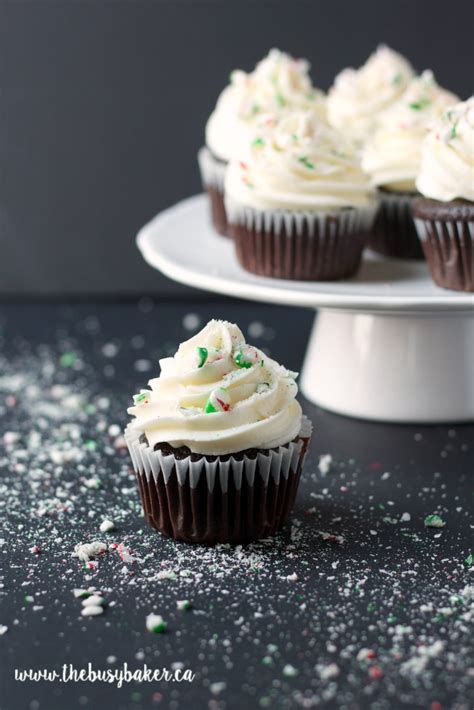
[(452, 132), (90, 445), (255, 109), (241, 361), (304, 160), (136, 696), (267, 661), (397, 79), (209, 408), (139, 398), (434, 521), (391, 619), (469, 560), (258, 142), (68, 359), (280, 100), (371, 606), (419, 105), (202, 355)]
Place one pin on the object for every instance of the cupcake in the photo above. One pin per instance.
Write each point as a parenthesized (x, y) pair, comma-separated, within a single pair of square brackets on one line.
[(298, 203), (278, 83), (218, 441), (444, 215), (392, 157), (358, 96)]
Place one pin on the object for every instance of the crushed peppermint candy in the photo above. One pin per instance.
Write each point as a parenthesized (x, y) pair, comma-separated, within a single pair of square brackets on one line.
[(325, 462), (156, 624), (88, 550), (434, 521), (106, 525)]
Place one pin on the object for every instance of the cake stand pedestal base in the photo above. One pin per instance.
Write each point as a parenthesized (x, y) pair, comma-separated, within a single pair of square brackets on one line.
[(407, 367)]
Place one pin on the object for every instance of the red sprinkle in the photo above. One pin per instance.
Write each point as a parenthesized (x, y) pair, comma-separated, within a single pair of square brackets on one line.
[(375, 672), (224, 406)]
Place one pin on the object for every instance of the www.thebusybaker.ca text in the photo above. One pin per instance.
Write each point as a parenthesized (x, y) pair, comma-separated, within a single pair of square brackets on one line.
[(119, 676)]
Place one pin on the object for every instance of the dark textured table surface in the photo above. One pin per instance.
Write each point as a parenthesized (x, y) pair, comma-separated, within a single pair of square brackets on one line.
[(377, 614)]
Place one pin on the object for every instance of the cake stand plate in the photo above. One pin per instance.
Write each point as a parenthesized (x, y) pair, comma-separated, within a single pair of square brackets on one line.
[(386, 345)]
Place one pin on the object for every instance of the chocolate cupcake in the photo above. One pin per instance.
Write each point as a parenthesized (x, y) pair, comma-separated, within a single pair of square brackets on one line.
[(278, 83), (392, 157), (444, 215), (218, 441), (298, 203)]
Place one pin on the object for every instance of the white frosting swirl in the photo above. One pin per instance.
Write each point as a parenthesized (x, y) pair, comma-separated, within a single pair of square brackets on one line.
[(297, 162), (447, 156), (218, 395), (359, 95), (392, 154), (278, 83)]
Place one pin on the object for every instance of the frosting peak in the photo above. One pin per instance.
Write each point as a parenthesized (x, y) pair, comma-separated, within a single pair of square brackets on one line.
[(218, 395), (392, 154), (447, 155), (297, 162), (278, 83), (359, 95)]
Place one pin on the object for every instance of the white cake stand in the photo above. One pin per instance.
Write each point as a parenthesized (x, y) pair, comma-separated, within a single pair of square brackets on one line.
[(386, 345)]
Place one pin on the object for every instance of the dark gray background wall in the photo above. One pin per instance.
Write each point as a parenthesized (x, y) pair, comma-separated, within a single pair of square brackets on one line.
[(103, 105)]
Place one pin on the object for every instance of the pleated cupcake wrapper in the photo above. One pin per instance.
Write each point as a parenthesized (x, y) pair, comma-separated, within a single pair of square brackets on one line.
[(154, 464), (300, 245), (234, 501), (298, 222), (393, 232), (212, 175), (449, 250), (212, 170)]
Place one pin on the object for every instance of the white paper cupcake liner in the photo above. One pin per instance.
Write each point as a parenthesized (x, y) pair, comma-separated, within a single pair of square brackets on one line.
[(212, 170), (299, 222), (206, 502), (449, 250), (306, 246), (154, 464)]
